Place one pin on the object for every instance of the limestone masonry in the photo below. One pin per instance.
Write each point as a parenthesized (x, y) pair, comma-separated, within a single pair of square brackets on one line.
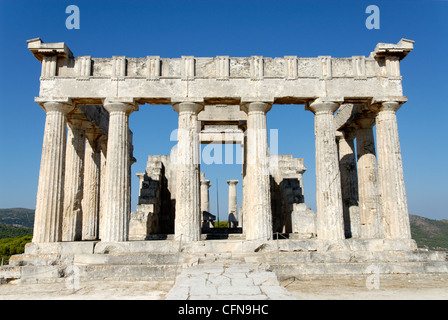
[(83, 212)]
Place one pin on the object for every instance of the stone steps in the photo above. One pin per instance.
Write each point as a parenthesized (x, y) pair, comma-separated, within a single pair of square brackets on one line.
[(357, 270), (53, 274), (160, 260), (348, 257)]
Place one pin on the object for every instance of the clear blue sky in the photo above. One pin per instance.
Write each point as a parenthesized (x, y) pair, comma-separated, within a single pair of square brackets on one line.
[(235, 28)]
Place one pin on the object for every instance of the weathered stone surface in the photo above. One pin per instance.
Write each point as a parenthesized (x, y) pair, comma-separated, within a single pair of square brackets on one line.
[(390, 173), (50, 192), (257, 202), (74, 182), (91, 198), (235, 95), (328, 188), (233, 205), (369, 194), (117, 193), (349, 184), (286, 189), (188, 215), (303, 221)]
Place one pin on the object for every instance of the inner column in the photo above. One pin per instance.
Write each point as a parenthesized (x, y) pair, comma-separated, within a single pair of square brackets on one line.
[(349, 183), (369, 195), (232, 203)]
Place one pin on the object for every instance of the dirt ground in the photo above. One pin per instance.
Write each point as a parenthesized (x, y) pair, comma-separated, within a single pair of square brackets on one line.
[(386, 289), (414, 289)]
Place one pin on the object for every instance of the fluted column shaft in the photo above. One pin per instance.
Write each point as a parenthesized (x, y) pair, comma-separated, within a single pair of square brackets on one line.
[(73, 184), (257, 195), (349, 186), (117, 184), (369, 196), (102, 205), (50, 192), (330, 225), (390, 173), (205, 198), (232, 196), (91, 199), (188, 216)]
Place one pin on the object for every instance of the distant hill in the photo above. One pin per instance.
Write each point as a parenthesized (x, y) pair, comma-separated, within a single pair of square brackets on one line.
[(428, 233), (17, 217)]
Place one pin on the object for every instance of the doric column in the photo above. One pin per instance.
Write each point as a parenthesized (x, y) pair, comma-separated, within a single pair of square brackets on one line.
[(241, 217), (349, 184), (369, 197), (117, 184), (330, 225), (188, 216), (73, 184), (205, 202), (91, 199), (50, 192), (233, 206), (390, 173), (257, 196), (102, 205)]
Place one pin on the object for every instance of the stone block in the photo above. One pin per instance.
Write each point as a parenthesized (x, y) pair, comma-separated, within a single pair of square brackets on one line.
[(303, 221), (63, 248)]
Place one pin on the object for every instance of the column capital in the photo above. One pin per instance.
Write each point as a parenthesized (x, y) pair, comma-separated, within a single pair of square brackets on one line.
[(206, 182), (324, 105), (188, 106), (62, 104), (388, 103), (255, 106), (120, 104), (232, 182)]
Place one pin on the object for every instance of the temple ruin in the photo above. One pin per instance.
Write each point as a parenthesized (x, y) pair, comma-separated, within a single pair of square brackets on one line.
[(83, 200)]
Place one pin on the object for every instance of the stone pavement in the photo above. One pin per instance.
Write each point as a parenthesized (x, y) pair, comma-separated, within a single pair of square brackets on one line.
[(227, 280)]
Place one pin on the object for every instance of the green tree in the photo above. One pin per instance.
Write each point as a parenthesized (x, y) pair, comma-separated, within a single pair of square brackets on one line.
[(11, 246)]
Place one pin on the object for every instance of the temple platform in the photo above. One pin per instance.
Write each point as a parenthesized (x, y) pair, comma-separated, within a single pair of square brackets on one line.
[(164, 259)]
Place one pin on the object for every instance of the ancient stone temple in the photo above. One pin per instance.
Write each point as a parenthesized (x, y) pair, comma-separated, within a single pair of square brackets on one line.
[(83, 199)]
